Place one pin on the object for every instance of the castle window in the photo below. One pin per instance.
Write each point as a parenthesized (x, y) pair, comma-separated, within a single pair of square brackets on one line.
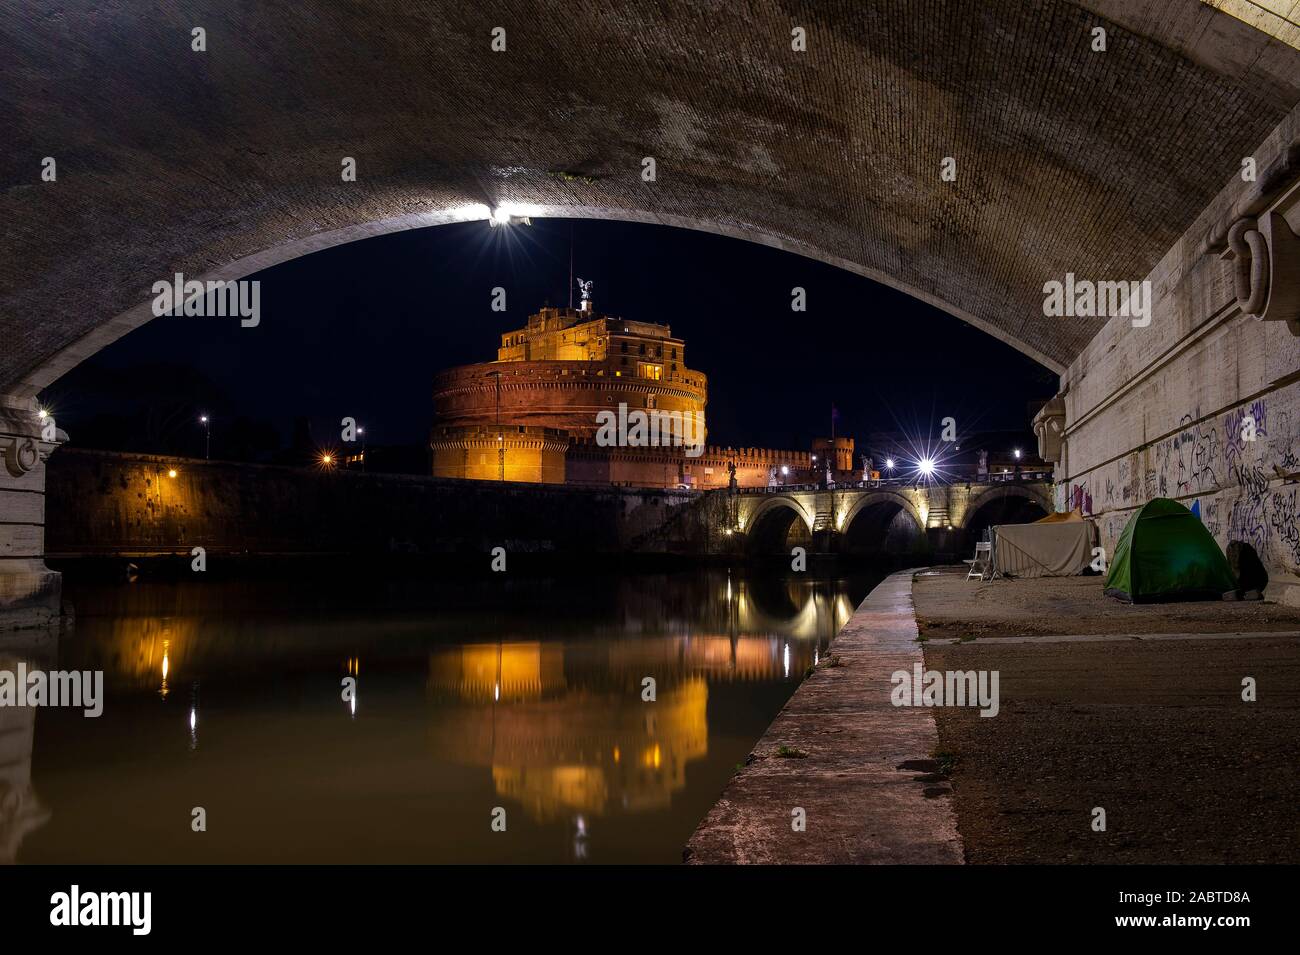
[(624, 348), (653, 372), (643, 348), (674, 353)]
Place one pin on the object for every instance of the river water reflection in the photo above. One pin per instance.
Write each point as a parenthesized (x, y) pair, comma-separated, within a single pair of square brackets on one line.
[(471, 695)]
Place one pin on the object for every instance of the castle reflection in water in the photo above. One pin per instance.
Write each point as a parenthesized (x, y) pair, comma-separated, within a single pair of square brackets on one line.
[(551, 706)]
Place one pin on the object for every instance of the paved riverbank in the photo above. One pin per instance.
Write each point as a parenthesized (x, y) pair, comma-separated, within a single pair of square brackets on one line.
[(861, 770), (948, 606), (1134, 710)]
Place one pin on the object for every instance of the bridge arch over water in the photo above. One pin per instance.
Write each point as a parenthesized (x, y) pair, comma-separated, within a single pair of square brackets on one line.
[(776, 523)]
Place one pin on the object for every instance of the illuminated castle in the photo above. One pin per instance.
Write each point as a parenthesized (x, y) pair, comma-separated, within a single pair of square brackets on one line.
[(535, 413)]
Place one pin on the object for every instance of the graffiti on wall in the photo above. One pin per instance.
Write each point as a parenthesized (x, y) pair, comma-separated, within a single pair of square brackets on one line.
[(1241, 466)]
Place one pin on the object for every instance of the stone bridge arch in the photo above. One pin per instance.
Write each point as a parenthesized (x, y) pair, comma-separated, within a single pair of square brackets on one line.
[(1033, 495), (907, 502), (883, 520), (767, 523), (227, 161)]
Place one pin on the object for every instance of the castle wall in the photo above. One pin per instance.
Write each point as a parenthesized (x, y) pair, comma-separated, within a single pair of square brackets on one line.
[(566, 395), (533, 455)]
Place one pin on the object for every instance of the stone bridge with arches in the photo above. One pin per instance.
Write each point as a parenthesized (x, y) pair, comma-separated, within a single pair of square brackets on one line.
[(879, 517)]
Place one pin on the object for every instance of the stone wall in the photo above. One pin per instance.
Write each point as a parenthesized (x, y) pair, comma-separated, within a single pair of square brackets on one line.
[(1203, 405), (104, 503)]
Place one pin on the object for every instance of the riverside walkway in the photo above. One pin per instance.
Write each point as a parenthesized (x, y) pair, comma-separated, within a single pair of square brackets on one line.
[(861, 770)]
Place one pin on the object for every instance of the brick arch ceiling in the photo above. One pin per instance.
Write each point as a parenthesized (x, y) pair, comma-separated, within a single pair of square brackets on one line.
[(208, 163)]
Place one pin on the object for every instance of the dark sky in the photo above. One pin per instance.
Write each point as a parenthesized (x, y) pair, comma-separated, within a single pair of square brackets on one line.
[(360, 330)]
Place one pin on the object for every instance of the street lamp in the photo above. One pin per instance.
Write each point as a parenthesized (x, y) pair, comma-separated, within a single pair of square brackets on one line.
[(362, 433), (207, 436)]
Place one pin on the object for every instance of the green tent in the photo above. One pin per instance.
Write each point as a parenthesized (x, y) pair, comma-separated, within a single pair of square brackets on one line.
[(1165, 553)]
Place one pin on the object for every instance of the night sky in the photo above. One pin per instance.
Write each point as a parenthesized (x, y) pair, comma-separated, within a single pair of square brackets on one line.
[(360, 330)]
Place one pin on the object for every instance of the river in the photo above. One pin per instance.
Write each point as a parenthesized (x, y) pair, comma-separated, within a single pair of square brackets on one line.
[(387, 720)]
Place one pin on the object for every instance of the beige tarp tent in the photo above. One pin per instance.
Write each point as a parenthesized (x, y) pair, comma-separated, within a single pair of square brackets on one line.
[(1060, 517), (1062, 548)]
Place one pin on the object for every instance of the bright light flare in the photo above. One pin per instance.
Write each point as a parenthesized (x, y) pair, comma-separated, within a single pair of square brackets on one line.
[(508, 214)]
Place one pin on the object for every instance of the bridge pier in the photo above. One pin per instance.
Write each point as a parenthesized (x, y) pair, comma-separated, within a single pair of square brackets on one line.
[(826, 542), (30, 593)]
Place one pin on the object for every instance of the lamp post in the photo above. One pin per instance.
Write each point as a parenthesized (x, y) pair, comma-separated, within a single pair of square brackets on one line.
[(362, 432), (207, 436)]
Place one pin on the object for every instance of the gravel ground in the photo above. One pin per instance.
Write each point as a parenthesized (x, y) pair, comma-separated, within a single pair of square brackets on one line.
[(947, 605), (1155, 733)]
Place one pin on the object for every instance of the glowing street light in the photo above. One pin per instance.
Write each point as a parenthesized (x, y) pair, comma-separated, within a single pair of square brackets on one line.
[(926, 467), (171, 473), (327, 459), (889, 464), (1017, 454)]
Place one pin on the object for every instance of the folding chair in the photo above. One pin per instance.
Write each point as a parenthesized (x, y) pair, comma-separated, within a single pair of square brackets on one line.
[(983, 562)]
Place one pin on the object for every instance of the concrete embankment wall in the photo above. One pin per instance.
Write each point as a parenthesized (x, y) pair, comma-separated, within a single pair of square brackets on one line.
[(1203, 404), (106, 503)]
